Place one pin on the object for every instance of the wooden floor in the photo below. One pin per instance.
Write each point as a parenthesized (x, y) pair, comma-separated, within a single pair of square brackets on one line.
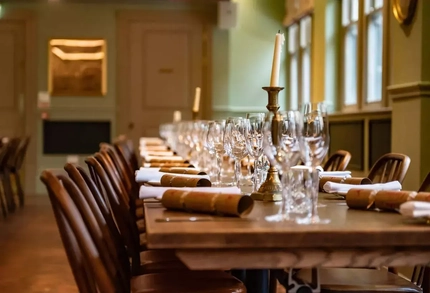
[(32, 258)]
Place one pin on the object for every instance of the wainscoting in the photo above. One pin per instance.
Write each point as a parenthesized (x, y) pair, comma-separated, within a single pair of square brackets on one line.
[(366, 135)]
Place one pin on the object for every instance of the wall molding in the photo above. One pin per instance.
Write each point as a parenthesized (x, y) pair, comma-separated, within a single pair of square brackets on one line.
[(407, 91)]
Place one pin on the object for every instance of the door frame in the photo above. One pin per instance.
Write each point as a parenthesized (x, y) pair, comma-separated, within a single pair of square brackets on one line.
[(30, 94), (124, 19)]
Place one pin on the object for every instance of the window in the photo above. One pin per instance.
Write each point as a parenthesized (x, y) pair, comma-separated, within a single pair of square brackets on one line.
[(299, 62), (362, 46)]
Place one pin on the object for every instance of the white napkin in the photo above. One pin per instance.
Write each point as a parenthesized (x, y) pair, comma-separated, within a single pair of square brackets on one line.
[(332, 187), (155, 176), (415, 209), (157, 169), (150, 140), (157, 192), (343, 174), (303, 167), (153, 148), (156, 153), (164, 158)]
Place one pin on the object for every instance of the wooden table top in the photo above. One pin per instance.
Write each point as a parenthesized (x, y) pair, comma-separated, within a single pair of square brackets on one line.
[(348, 229)]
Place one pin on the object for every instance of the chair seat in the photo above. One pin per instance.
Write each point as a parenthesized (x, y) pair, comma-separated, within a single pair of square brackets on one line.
[(187, 282), (359, 280), (159, 261), (142, 241)]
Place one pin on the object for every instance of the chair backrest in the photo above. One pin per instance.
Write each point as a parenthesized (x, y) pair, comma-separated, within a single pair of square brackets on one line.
[(425, 186), (72, 226), (126, 150), (126, 224), (390, 167), (101, 212), (21, 152), (338, 161)]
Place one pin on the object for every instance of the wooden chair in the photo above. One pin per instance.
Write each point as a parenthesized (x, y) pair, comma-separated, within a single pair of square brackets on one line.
[(12, 147), (390, 167), (151, 261), (338, 161), (3, 200), (100, 264), (15, 166)]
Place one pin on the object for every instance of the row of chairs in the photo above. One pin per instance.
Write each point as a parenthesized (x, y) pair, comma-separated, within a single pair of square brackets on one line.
[(12, 155), (389, 167), (100, 219)]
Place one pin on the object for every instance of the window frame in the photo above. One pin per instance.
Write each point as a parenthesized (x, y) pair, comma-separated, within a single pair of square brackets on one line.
[(300, 53), (362, 59)]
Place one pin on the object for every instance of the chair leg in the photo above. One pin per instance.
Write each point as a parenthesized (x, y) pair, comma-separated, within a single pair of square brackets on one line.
[(19, 189), (8, 192)]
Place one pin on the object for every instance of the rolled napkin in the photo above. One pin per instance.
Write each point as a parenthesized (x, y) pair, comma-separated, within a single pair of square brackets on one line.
[(174, 180), (362, 199), (230, 204), (391, 200), (178, 170), (348, 180), (415, 209), (154, 148), (146, 153), (148, 174), (340, 188), (422, 196), (157, 192)]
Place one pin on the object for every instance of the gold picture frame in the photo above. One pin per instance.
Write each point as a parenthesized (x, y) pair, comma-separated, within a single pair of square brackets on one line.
[(77, 67)]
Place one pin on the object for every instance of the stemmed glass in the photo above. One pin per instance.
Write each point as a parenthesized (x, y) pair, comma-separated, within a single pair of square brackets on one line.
[(235, 144), (254, 142), (314, 146), (215, 143), (282, 133)]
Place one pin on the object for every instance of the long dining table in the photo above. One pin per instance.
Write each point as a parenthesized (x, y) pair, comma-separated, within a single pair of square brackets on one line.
[(353, 238)]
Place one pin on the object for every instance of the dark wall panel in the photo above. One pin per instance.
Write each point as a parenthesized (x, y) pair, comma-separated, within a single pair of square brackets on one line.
[(348, 136), (379, 139)]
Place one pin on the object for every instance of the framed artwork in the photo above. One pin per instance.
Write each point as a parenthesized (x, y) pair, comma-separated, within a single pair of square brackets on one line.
[(77, 68)]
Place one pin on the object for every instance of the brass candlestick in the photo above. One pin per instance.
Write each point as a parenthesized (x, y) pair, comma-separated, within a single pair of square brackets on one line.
[(271, 189), (195, 115)]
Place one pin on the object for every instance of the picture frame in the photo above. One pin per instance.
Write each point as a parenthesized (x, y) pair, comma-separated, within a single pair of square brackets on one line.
[(77, 67)]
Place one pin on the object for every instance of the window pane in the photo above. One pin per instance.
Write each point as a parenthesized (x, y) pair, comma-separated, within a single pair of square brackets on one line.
[(369, 6), (350, 66), (378, 3), (374, 58), (305, 31), (345, 12), (293, 45), (354, 10), (294, 82), (306, 75)]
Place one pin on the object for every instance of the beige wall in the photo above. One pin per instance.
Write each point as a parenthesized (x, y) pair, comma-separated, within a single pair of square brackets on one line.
[(241, 62)]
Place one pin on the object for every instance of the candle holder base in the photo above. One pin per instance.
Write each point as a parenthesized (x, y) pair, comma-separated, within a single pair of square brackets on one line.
[(271, 189)]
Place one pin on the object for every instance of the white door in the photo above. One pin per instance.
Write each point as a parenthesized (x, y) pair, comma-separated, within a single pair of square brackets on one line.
[(12, 78), (164, 67)]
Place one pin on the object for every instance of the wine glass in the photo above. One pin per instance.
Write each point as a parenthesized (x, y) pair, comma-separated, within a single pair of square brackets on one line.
[(282, 146), (314, 145), (235, 144), (215, 143), (254, 142)]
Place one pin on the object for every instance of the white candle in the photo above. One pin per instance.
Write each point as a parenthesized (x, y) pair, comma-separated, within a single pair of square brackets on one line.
[(276, 65), (196, 105), (177, 116)]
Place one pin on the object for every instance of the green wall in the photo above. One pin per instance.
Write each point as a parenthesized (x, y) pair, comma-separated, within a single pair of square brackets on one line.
[(242, 58)]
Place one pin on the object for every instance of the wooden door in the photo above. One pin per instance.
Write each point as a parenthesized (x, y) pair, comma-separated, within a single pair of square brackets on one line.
[(161, 66), (12, 77)]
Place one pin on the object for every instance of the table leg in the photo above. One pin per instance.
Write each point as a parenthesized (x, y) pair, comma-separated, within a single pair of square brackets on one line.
[(257, 281)]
